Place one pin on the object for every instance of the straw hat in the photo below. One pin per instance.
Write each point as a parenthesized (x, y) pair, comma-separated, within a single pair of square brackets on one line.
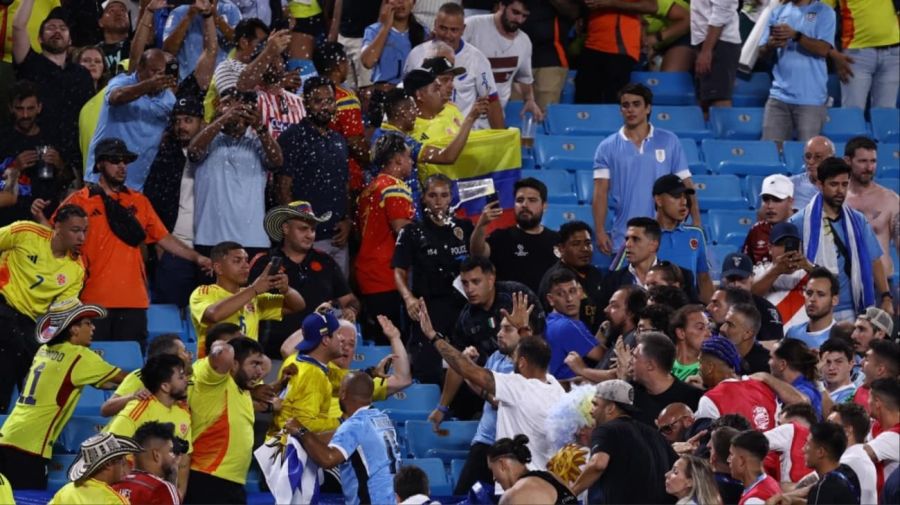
[(61, 315), (294, 210), (97, 450)]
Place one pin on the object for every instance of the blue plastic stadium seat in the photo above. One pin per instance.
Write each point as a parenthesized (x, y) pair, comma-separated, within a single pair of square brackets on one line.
[(737, 123), (834, 90), (888, 160), (842, 125), (58, 471), (716, 254), (584, 186), (752, 90), (793, 155), (79, 428), (437, 475), (692, 153), (886, 125), (424, 442), (511, 113), (568, 92), (669, 88), (456, 467), (565, 152), (125, 355), (742, 157), (685, 121), (752, 187), (90, 401), (414, 402), (583, 119), (719, 192), (369, 355), (729, 226), (162, 319), (892, 183), (560, 184), (557, 215)]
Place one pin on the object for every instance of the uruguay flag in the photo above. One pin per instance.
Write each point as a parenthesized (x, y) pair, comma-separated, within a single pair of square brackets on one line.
[(291, 475)]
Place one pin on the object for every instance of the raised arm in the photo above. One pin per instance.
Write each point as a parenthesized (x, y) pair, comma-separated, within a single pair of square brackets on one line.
[(371, 52), (402, 376), (173, 41), (20, 39), (478, 245), (468, 370), (206, 63), (143, 36), (252, 74)]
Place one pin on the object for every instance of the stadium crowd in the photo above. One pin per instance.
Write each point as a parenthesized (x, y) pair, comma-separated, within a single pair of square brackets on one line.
[(291, 176)]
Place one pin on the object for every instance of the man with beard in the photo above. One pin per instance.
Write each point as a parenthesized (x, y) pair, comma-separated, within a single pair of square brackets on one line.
[(155, 468), (565, 333), (806, 183), (777, 196), (222, 420), (229, 301), (136, 109), (170, 189), (231, 166), (840, 239), (622, 313), (576, 251), (873, 324), (737, 272), (26, 152), (116, 27), (508, 49), (121, 220), (315, 170), (879, 204), (821, 295), (165, 379), (51, 72), (523, 252), (433, 249)]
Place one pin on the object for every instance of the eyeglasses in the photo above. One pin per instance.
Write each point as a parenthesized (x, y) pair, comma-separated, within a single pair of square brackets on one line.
[(668, 428)]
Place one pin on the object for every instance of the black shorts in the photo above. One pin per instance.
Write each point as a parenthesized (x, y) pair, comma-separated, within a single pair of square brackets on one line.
[(23, 470), (314, 26), (718, 84), (206, 488)]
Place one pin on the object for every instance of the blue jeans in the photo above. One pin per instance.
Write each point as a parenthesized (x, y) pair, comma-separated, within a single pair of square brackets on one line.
[(875, 71)]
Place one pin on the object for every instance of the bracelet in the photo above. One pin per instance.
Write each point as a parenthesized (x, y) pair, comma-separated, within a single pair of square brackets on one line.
[(797, 36), (438, 336), (207, 15), (887, 294), (442, 409)]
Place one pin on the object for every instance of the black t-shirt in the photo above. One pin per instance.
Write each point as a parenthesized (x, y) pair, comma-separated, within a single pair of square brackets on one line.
[(838, 486), (730, 489), (649, 406), (522, 257), (13, 143), (757, 360), (591, 314), (639, 458), (547, 30), (317, 278), (114, 54), (771, 327), (357, 15), (434, 253)]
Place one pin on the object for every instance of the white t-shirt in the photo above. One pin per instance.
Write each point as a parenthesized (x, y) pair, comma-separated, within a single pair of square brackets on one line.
[(523, 409), (510, 59), (857, 459), (476, 82), (887, 449), (184, 223)]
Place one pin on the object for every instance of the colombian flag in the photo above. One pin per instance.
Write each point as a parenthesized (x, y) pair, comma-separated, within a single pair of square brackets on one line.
[(489, 154)]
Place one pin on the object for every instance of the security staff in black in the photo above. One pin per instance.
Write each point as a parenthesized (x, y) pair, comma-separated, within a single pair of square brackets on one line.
[(432, 248)]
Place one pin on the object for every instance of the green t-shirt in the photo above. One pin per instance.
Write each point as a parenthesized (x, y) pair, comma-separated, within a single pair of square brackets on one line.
[(682, 372)]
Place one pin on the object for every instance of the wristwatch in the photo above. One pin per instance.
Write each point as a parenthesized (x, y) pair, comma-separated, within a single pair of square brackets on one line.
[(797, 36), (301, 432)]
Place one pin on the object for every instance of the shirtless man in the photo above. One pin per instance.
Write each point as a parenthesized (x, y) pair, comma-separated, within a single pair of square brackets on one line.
[(880, 205), (806, 184)]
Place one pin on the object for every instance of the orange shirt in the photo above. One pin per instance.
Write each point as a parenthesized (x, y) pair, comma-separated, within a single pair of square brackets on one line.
[(615, 32), (383, 201), (115, 271)]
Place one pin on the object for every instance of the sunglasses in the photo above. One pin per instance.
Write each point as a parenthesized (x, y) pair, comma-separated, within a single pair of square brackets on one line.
[(668, 428)]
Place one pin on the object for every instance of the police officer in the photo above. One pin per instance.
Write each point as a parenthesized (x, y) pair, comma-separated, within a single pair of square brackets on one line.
[(432, 248)]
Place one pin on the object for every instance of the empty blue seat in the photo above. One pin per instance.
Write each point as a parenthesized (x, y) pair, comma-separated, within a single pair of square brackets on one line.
[(793, 155), (583, 119), (584, 186), (738, 123), (456, 467), (424, 442), (716, 254), (557, 215), (438, 482), (669, 88), (565, 152), (752, 187), (79, 428), (414, 402), (511, 113), (886, 125), (834, 90), (685, 121), (719, 192), (90, 401), (891, 183), (752, 90), (58, 471), (369, 355), (842, 125), (162, 319), (125, 355), (568, 92), (729, 226), (888, 158), (560, 184), (692, 153), (742, 157)]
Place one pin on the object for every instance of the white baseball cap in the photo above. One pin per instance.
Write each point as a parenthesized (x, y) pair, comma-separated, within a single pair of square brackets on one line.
[(777, 185)]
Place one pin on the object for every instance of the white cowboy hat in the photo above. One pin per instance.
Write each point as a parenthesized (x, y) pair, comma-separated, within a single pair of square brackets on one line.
[(61, 315)]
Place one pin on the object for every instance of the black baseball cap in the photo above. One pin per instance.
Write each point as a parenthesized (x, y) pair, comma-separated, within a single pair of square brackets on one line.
[(671, 184), (416, 80), (737, 265), (439, 65), (189, 105), (783, 230)]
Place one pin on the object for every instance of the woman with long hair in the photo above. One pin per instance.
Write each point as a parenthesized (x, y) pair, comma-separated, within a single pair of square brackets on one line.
[(691, 481), (388, 42), (91, 58), (508, 458)]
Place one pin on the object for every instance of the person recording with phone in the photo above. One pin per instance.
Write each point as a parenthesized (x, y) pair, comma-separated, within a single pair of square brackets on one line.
[(782, 279)]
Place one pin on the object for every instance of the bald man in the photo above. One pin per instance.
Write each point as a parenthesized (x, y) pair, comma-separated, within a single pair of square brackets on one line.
[(136, 109), (674, 421), (806, 185)]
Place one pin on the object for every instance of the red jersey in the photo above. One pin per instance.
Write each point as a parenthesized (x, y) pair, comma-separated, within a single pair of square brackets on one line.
[(384, 200), (785, 460), (348, 122), (861, 397), (764, 488), (143, 487), (749, 397), (756, 245)]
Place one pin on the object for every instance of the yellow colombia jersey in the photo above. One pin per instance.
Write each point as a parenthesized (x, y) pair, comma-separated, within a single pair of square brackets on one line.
[(304, 8), (265, 307), (6, 492), (51, 392), (222, 424), (336, 374), (90, 492), (307, 397), (446, 124), (138, 412), (131, 384), (31, 278)]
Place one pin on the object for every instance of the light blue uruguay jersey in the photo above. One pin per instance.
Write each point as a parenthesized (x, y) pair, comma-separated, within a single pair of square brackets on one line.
[(368, 442)]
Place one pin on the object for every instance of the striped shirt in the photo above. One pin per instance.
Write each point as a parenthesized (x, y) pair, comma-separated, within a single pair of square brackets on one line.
[(279, 110)]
